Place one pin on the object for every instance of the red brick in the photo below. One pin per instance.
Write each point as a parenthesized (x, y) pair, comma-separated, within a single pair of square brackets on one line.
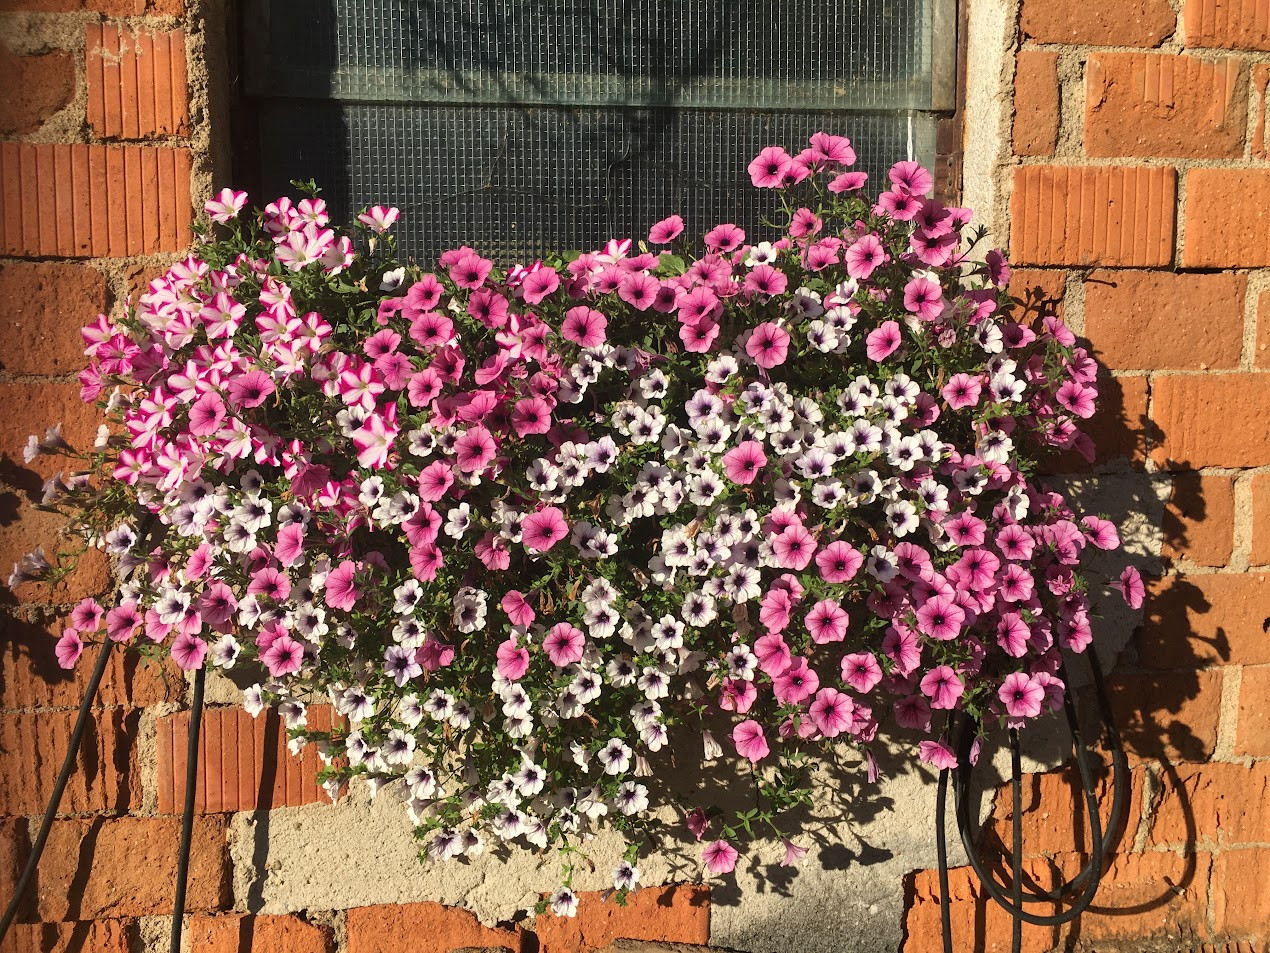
[(1054, 812), (1085, 215), (1169, 715), (1210, 420), (90, 575), (1036, 103), (1205, 620), (677, 914), (1252, 728), (96, 936), (31, 678), (1262, 356), (244, 764), (1159, 320), (1199, 520), (1155, 104), (1241, 889), (397, 928), (33, 745), (1227, 24), (1227, 218), (235, 932), (1207, 804), (1118, 428), (136, 82), (1261, 90), (126, 867), (30, 408), (1125, 23), (978, 923), (1039, 292), (1259, 554), (109, 211), (45, 304), (34, 88), (1149, 895)]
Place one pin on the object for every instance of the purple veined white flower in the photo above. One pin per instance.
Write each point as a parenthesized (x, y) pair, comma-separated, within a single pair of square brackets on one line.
[(626, 876)]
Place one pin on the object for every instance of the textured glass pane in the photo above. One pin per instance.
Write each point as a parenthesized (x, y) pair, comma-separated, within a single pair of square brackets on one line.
[(768, 54), (516, 182)]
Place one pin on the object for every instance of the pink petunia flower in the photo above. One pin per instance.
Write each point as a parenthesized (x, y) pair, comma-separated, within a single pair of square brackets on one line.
[(720, 857), (924, 298), (793, 853), (795, 683), (1022, 695), (517, 608), (513, 661), (940, 618), (839, 562), (283, 657), (750, 742), (206, 414), (831, 712), (1077, 398), (341, 589), (584, 326), (188, 652), (937, 753), (737, 695), (531, 415), (564, 644), (251, 389), (943, 686), (69, 648), (542, 530), (290, 546), (827, 622), (793, 547), (86, 616), (744, 461), (883, 341), (962, 390), (666, 231), (768, 345), (769, 168), (434, 481), (1130, 587), (861, 671), (123, 621), (772, 653), (474, 450)]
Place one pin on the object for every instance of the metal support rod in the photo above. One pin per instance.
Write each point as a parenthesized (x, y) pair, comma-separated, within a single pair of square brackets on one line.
[(1016, 840), (72, 749), (187, 817)]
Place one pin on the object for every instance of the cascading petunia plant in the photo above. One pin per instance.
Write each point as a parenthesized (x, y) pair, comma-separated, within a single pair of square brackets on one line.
[(545, 536)]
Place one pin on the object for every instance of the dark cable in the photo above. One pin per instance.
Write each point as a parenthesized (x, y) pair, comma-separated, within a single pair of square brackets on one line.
[(37, 848), (187, 818)]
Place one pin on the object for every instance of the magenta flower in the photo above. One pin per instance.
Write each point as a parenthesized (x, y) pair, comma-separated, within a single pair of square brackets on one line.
[(1102, 533), (1015, 584), (638, 289), (766, 280), (911, 177), (697, 823), (434, 481), (924, 298), (564, 644), (793, 547), (864, 256), (251, 389), (341, 589), (943, 687), (206, 414), (962, 390), (283, 657), (188, 651), (839, 562), (542, 530), (539, 285), (913, 711), (769, 168), (768, 345), (744, 461), (270, 583), (848, 182), (434, 654), (831, 712), (750, 742), (737, 695), (724, 238), (666, 231), (773, 654), (474, 450), (720, 857), (937, 753), (940, 618), (517, 608), (795, 683), (1077, 398), (882, 341), (69, 648), (217, 604), (374, 439), (584, 326), (290, 546), (123, 621), (513, 661), (86, 616), (861, 671), (793, 853), (1022, 695), (698, 336), (827, 622), (1130, 586), (1013, 634), (470, 271)]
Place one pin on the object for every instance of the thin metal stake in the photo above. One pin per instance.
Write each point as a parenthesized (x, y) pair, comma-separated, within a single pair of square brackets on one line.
[(187, 818), (77, 734)]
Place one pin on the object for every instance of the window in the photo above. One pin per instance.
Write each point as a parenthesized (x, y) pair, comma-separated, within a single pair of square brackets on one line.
[(520, 125)]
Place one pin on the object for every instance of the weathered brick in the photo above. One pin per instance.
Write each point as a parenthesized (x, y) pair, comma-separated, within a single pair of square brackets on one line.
[(1155, 894), (1039, 291), (1227, 24), (676, 914), (978, 923), (1210, 420), (1054, 812), (110, 8), (1252, 728), (1160, 320), (1241, 889), (33, 746), (1036, 103), (34, 88), (1119, 427), (1259, 554), (396, 928), (45, 304), (126, 867), (115, 201), (137, 83), (1205, 620), (90, 936), (1209, 804), (30, 408), (1227, 218), (1085, 215), (1262, 356), (244, 763), (1126, 23), (1169, 715), (1155, 104), (235, 932), (32, 528), (1261, 90), (1199, 520), (31, 678)]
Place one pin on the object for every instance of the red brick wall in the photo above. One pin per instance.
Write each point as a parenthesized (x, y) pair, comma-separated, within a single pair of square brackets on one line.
[(1140, 207)]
